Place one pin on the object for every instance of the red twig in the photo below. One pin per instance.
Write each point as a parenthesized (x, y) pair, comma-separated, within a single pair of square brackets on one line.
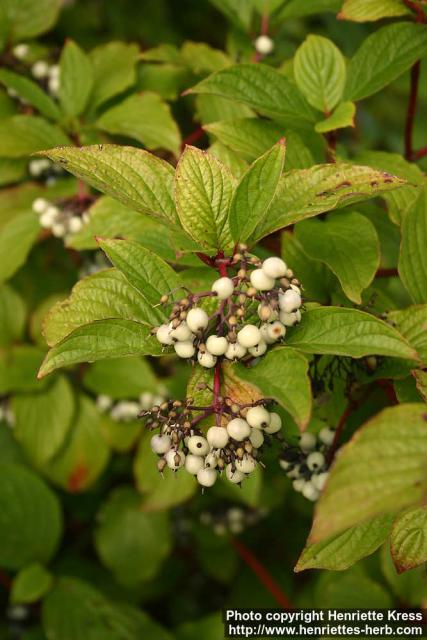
[(5, 580), (262, 574), (417, 155), (205, 258), (421, 17), (192, 137), (389, 391), (386, 273), (412, 107)]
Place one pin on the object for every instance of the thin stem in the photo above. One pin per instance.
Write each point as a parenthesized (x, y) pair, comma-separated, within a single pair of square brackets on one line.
[(412, 107), (192, 137), (340, 428), (417, 155), (263, 575), (386, 273), (331, 149)]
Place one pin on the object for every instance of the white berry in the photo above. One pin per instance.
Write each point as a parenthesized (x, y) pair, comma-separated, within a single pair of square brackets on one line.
[(275, 423), (276, 330), (53, 84), (193, 464), (265, 333), (258, 417), (198, 445), (256, 438), (233, 475), (217, 345), (20, 51), (160, 443), (206, 359), (249, 336), (103, 402), (264, 45), (289, 301), (246, 465), (315, 461), (211, 460), (75, 224), (307, 441), (40, 205), (310, 492), (327, 435), (319, 481), (40, 69), (175, 459), (261, 281), (223, 287), (259, 349), (185, 349), (238, 429), (235, 351), (290, 319), (274, 267), (217, 437), (181, 332), (299, 484), (59, 230), (163, 335), (197, 319), (207, 477)]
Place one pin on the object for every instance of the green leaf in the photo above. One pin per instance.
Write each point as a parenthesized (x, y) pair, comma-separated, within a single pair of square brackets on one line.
[(146, 272), (135, 177), (371, 10), (383, 57), (16, 239), (229, 159), (31, 93), (12, 170), (282, 374), (354, 259), (43, 420), (103, 295), (210, 627), (421, 383), (18, 369), (299, 8), (30, 584), (238, 11), (409, 587), (160, 492), (413, 255), (345, 549), (98, 340), (113, 69), (27, 19), (381, 469), (351, 589), (76, 73), (74, 609), (307, 192), (23, 135), (84, 455), (121, 378), (315, 275), (342, 117), (412, 323), (12, 315), (139, 554), (146, 118), (203, 192), (30, 518), (255, 192), (347, 332), (201, 58), (408, 542), (320, 72), (260, 87)]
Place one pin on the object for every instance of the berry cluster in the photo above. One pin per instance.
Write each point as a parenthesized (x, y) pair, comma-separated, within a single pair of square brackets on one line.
[(233, 520), (307, 464), (63, 220), (232, 447), (127, 410), (255, 308)]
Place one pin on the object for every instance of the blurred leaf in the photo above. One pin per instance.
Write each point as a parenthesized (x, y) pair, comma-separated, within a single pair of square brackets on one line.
[(203, 191), (138, 555), (201, 58), (103, 295), (413, 256), (12, 170), (408, 541), (26, 18), (273, 374), (347, 332), (146, 118), (113, 70), (76, 79), (409, 587), (380, 470), (354, 259), (342, 117), (18, 369), (12, 315), (30, 518), (121, 379), (421, 383), (411, 323), (23, 135), (345, 549), (31, 93), (120, 436), (351, 589), (238, 11), (371, 10), (384, 56), (16, 239), (300, 8), (30, 584), (210, 627), (135, 177)]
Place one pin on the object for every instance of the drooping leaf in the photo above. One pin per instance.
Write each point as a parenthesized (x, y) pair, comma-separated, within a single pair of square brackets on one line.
[(320, 72), (413, 255), (412, 323), (99, 340), (144, 117), (23, 135), (347, 332), (138, 555), (135, 177), (282, 374), (380, 470), (30, 584), (76, 74), (260, 87), (30, 518), (31, 93), (383, 56), (371, 10), (342, 117), (307, 192), (203, 191), (113, 70), (354, 258), (103, 295), (255, 192), (345, 549), (408, 542)]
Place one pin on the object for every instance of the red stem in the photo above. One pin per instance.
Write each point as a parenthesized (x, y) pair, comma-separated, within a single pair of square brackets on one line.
[(389, 391), (421, 17), (417, 155), (386, 273), (192, 137), (412, 107), (262, 574)]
